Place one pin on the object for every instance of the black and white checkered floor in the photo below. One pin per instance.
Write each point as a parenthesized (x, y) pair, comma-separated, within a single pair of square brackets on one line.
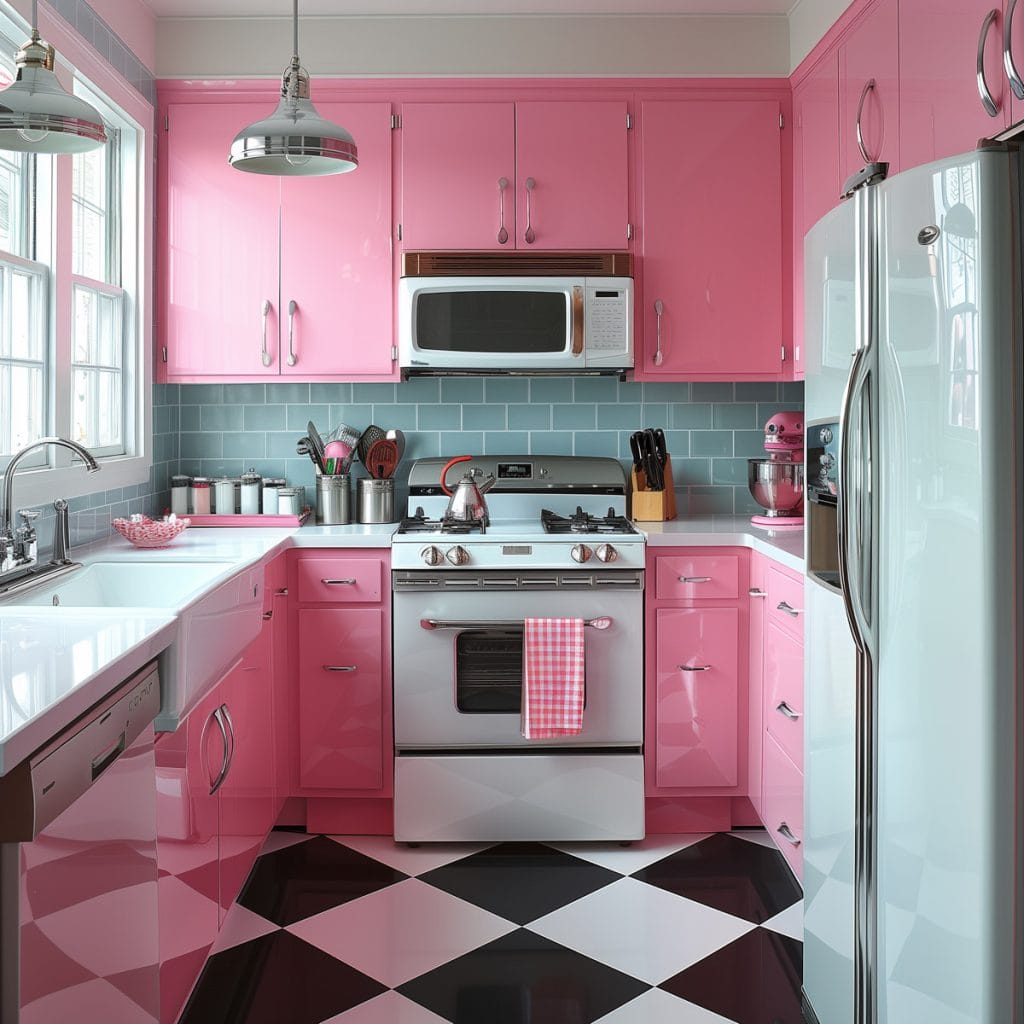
[(358, 930)]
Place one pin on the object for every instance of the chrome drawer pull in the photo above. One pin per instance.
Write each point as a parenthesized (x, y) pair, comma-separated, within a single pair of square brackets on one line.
[(754, 592), (784, 709), (694, 579), (788, 609), (787, 833), (267, 616), (694, 668), (339, 668), (337, 583)]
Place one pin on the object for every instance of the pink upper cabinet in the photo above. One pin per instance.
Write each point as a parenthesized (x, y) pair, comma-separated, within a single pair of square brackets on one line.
[(575, 156), (454, 155), (336, 257), (941, 108), (870, 53), (711, 184), (504, 175), (220, 258)]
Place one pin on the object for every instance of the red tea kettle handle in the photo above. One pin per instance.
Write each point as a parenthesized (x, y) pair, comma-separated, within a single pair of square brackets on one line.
[(448, 465)]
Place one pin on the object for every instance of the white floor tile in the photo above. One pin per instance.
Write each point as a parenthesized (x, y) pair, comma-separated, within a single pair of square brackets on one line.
[(640, 929), (757, 836), (411, 860), (789, 921), (241, 925), (659, 1007), (388, 1008), (627, 859), (282, 840), (402, 931)]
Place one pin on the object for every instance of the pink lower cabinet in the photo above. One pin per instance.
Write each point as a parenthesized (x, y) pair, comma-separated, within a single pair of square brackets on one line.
[(756, 595), (783, 803), (783, 692)]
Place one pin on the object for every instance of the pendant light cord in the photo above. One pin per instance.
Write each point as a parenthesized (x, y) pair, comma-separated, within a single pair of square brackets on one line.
[(295, 29)]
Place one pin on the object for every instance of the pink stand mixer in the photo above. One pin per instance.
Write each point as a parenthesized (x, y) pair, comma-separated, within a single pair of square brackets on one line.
[(777, 482)]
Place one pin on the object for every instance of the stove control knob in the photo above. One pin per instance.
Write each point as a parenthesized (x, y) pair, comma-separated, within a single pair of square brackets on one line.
[(457, 555), (580, 553), (432, 555), (606, 553)]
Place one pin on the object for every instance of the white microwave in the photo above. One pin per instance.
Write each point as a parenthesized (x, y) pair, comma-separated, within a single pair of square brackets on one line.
[(503, 314)]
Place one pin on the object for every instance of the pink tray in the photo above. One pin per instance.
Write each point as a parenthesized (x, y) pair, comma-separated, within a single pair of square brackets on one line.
[(265, 521)]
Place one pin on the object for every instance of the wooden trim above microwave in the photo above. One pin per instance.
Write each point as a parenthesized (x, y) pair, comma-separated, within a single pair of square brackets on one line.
[(517, 264)]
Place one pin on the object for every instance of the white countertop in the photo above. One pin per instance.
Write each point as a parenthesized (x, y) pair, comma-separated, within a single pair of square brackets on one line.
[(55, 663)]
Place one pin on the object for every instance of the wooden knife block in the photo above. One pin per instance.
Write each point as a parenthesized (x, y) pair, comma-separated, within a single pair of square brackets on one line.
[(652, 506)]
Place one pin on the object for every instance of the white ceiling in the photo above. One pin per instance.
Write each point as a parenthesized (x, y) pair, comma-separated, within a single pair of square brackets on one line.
[(308, 8)]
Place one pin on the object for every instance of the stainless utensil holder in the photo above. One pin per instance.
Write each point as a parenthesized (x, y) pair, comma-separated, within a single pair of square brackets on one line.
[(377, 500), (333, 500)]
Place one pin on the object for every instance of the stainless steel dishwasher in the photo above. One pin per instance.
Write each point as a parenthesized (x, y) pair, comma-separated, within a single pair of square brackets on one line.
[(78, 870)]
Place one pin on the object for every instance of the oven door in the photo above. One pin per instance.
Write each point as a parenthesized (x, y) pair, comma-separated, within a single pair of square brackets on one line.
[(458, 656)]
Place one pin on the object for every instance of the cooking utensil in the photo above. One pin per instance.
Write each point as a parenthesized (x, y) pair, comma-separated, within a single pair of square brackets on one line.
[(399, 438), (466, 504), (341, 452), (317, 441), (382, 458), (652, 464), (304, 446), (366, 439)]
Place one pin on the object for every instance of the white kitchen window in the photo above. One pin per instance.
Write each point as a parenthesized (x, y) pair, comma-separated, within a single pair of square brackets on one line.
[(73, 269)]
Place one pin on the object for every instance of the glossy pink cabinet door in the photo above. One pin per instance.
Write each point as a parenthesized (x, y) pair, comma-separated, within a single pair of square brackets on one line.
[(188, 850), (336, 257), (712, 239), (783, 805), (576, 155), (941, 110), (783, 691), (696, 692), (341, 702), (870, 52), (757, 596), (453, 156), (220, 258)]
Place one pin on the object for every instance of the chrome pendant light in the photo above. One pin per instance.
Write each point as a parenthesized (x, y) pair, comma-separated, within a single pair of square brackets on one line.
[(295, 139), (36, 114)]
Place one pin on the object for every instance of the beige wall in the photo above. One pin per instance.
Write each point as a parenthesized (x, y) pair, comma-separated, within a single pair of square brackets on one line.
[(551, 45)]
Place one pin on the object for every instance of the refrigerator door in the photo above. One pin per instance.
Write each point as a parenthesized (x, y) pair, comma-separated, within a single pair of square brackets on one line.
[(830, 674), (949, 574)]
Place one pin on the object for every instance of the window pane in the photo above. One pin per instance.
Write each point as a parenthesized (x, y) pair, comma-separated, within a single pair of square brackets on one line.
[(26, 328), (97, 405), (21, 399), (98, 337), (89, 217), (12, 183)]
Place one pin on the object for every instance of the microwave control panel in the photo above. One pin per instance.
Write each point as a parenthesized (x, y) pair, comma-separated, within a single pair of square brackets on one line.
[(609, 318)]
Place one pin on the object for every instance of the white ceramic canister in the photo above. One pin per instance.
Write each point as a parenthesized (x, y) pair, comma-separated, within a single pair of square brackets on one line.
[(180, 494), (224, 496), (200, 491), (250, 498)]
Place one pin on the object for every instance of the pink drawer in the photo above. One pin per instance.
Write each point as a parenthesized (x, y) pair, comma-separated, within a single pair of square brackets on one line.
[(783, 804), (340, 580), (784, 691), (697, 577), (786, 601)]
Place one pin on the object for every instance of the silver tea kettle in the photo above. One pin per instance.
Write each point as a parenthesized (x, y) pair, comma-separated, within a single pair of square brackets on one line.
[(466, 504)]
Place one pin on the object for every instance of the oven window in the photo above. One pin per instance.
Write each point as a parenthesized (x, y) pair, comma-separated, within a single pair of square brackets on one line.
[(506, 322), (489, 672)]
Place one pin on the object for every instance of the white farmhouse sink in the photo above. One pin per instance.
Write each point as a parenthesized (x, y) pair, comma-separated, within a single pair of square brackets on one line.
[(218, 615)]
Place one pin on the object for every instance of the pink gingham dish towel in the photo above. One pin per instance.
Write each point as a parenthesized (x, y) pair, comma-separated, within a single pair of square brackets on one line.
[(553, 661)]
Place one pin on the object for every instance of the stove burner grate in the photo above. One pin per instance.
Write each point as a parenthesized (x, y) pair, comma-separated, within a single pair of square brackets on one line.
[(419, 523), (583, 522)]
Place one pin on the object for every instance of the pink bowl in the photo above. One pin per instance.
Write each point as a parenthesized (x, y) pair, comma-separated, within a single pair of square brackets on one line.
[(149, 533)]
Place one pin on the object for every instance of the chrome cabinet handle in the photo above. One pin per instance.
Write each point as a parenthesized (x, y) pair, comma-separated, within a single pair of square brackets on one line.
[(267, 616), (659, 308), (694, 579), (337, 583), (784, 709), (502, 231), (784, 606), (868, 86), (264, 353), (787, 833), (987, 99), (1011, 69), (339, 668), (530, 235), (202, 746), (694, 668), (223, 773), (754, 592), (292, 307), (231, 732)]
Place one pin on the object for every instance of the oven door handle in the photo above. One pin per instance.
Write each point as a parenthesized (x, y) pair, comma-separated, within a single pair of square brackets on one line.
[(604, 622)]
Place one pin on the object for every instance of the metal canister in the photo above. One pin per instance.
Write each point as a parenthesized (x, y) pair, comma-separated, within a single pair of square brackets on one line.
[(200, 493), (289, 501), (271, 486), (332, 500), (224, 496), (250, 496), (376, 500), (180, 494)]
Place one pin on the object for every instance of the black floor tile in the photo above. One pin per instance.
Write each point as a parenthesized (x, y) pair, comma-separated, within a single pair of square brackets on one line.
[(522, 978), (754, 980), (520, 881), (729, 874), (305, 879), (276, 979)]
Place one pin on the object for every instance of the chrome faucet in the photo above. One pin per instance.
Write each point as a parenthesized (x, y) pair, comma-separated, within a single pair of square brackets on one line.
[(18, 547)]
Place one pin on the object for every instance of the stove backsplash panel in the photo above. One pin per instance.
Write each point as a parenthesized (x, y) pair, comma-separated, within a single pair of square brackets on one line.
[(712, 429)]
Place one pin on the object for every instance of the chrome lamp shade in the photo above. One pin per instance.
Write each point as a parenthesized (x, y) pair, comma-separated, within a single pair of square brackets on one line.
[(38, 116)]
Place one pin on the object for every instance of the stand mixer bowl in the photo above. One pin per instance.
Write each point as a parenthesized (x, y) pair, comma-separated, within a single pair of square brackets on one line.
[(777, 485)]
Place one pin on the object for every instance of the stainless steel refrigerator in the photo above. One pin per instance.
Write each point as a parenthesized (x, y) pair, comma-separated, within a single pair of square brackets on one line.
[(914, 677)]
